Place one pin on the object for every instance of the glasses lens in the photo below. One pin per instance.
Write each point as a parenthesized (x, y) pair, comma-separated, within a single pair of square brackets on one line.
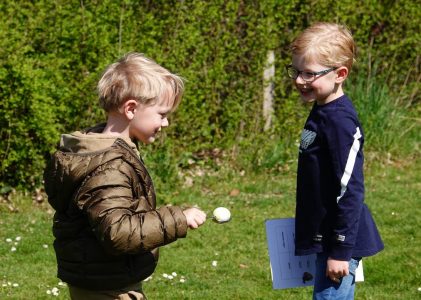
[(292, 73), (307, 76)]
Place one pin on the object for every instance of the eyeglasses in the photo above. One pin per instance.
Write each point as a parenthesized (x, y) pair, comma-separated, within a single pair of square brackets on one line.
[(293, 73)]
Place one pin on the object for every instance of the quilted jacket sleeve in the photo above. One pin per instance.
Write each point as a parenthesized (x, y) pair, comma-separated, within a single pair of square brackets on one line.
[(122, 223)]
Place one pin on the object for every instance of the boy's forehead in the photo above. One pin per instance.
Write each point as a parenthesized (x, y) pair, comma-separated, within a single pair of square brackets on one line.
[(167, 98), (307, 60)]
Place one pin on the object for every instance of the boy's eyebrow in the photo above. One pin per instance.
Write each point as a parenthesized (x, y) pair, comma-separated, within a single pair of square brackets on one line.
[(304, 70), (165, 110)]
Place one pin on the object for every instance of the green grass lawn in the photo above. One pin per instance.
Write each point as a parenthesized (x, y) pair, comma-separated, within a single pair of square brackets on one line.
[(239, 248)]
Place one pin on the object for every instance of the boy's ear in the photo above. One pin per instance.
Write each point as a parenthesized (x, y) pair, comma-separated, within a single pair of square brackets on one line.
[(128, 108), (341, 74)]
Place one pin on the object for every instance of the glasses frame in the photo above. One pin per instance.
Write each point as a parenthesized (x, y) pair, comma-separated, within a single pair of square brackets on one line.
[(290, 69)]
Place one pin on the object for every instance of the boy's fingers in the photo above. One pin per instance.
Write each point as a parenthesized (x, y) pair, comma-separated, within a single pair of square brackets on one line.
[(196, 218), (193, 226)]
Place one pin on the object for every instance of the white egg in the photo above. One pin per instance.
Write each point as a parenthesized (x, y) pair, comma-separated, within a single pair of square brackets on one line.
[(221, 214)]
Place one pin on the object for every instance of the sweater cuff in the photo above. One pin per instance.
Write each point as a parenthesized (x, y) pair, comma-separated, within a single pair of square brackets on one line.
[(341, 253)]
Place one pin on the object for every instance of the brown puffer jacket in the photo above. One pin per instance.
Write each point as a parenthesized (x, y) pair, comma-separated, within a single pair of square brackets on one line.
[(106, 226)]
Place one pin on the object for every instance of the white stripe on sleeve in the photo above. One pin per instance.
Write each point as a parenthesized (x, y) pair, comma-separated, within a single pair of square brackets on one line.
[(350, 163)]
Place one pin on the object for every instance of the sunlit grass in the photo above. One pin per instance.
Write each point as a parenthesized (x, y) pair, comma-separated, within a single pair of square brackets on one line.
[(230, 261)]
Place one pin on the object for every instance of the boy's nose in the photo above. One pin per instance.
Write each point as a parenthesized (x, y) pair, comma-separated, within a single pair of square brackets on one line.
[(165, 123), (299, 80)]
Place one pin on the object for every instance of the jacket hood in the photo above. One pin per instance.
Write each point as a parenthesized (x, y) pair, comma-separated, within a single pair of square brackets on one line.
[(79, 154), (90, 140)]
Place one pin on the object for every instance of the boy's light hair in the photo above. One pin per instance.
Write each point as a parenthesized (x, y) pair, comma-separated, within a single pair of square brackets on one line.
[(137, 77), (328, 44)]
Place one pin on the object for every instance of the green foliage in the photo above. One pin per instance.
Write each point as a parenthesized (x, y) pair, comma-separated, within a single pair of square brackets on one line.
[(53, 52), (161, 167), (387, 125)]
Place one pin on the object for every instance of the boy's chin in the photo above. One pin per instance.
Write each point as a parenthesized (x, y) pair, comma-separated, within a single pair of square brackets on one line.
[(307, 97), (306, 100), (146, 141), (150, 140)]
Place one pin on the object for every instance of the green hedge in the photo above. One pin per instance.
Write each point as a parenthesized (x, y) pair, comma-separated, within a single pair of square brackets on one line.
[(52, 53)]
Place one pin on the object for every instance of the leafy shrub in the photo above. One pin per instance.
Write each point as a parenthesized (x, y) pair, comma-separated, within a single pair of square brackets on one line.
[(386, 123), (53, 52)]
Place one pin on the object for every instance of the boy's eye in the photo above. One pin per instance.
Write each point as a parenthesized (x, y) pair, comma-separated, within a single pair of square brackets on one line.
[(307, 75)]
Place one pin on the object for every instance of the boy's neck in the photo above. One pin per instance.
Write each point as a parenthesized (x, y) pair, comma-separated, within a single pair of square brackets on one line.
[(116, 125), (336, 94)]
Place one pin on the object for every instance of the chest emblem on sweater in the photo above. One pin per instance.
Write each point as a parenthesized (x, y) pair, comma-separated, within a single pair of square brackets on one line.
[(307, 138)]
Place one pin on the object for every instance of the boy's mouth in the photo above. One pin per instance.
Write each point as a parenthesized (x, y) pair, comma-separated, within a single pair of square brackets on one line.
[(305, 91)]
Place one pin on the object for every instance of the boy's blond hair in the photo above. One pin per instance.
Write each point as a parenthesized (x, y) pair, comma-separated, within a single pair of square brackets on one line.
[(328, 44), (137, 77)]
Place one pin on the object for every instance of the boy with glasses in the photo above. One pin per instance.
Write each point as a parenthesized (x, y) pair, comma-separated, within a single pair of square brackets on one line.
[(331, 217)]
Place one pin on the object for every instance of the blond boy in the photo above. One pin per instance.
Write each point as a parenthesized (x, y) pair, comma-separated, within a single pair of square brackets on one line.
[(107, 228), (331, 217)]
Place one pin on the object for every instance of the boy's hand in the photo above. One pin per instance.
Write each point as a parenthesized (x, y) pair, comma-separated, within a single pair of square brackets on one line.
[(336, 269), (195, 217)]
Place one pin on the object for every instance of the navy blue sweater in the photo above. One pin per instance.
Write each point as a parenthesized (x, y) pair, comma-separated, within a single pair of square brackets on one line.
[(331, 216)]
